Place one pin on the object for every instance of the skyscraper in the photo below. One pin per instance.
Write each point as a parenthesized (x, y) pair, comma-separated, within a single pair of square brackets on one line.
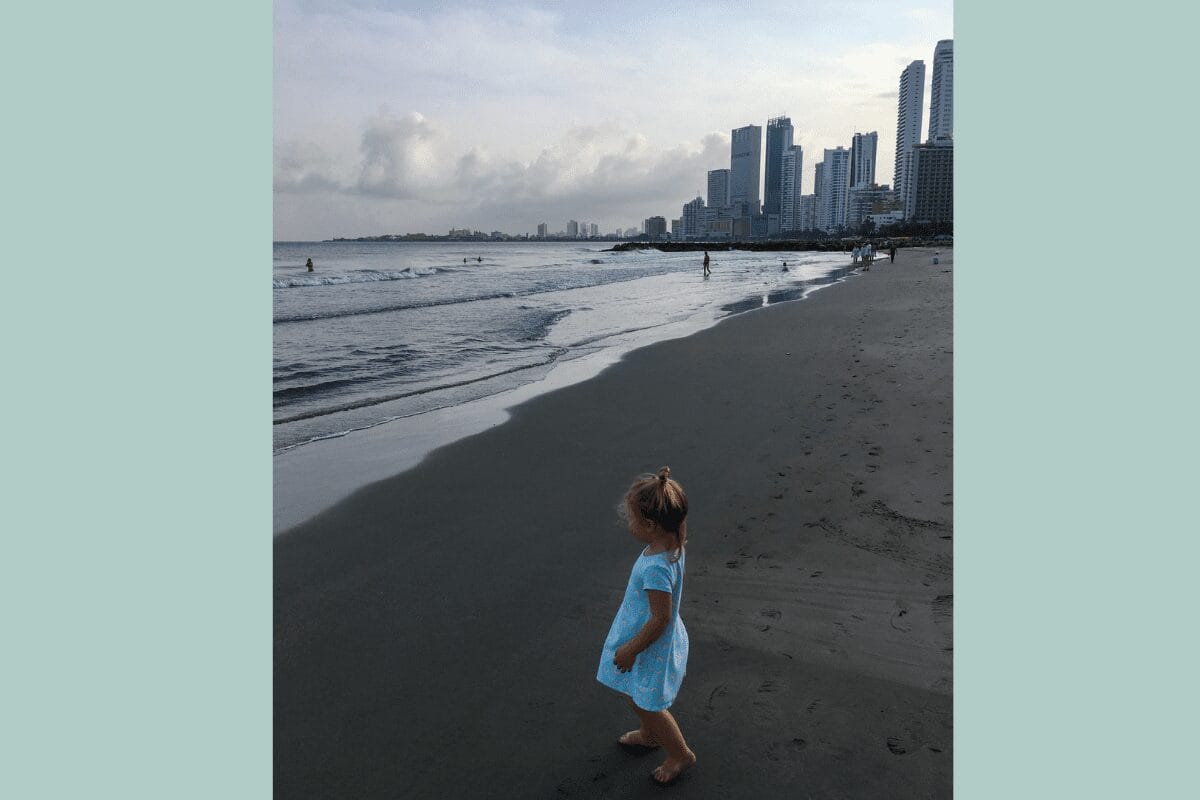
[(831, 203), (692, 219), (543, 230), (718, 188), (930, 196), (572, 229), (792, 169), (779, 139), (908, 121), (941, 92), (745, 159), (862, 159)]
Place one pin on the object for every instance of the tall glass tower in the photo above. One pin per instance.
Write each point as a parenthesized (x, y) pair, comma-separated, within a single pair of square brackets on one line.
[(779, 139), (745, 160), (941, 92), (908, 121)]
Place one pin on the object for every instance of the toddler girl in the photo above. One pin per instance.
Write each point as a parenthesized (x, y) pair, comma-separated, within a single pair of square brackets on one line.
[(645, 654)]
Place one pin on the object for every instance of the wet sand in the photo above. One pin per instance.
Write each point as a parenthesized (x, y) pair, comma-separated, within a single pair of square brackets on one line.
[(436, 634)]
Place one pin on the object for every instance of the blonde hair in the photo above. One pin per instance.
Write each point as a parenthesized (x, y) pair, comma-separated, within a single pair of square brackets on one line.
[(660, 501)]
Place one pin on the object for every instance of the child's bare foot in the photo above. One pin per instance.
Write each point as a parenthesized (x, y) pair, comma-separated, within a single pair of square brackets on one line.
[(669, 771), (637, 741)]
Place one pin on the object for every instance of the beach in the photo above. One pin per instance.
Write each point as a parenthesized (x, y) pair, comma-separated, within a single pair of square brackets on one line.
[(437, 633)]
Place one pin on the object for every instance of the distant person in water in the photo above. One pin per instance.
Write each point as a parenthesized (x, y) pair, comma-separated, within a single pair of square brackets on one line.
[(464, 261), (310, 265), (706, 269), (479, 259)]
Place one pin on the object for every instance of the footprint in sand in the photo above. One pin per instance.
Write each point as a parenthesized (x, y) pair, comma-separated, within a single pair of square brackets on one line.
[(770, 613)]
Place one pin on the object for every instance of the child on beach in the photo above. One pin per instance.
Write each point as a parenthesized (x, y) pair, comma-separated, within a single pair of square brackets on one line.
[(645, 654)]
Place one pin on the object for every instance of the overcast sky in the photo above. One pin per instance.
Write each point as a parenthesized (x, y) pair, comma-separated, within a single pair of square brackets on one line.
[(397, 117)]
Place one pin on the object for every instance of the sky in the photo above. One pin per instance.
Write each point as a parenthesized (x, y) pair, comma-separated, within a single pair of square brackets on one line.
[(406, 117)]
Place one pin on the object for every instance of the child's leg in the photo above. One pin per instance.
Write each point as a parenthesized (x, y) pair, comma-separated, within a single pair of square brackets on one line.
[(662, 726), (643, 736)]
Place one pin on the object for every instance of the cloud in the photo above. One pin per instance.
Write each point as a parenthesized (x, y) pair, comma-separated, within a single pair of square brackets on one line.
[(399, 156), (594, 172)]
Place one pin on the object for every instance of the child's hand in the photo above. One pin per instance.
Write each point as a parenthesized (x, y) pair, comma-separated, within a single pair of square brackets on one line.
[(625, 658)]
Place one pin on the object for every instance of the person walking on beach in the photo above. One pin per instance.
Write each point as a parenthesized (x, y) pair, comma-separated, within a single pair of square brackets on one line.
[(854, 255), (706, 269), (645, 654), (891, 254), (309, 265)]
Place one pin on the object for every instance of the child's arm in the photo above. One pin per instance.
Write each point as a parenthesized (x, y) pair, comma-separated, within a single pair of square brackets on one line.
[(660, 616)]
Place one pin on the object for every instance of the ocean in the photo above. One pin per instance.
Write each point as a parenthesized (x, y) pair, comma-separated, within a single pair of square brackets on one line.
[(383, 331)]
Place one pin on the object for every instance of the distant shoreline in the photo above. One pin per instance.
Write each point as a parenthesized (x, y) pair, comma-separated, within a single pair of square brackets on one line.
[(789, 245)]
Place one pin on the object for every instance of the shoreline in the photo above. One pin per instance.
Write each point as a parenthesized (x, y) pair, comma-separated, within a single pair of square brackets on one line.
[(460, 606), (313, 476)]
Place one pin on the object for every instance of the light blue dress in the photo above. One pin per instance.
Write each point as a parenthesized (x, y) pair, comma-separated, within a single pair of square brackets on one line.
[(658, 670)]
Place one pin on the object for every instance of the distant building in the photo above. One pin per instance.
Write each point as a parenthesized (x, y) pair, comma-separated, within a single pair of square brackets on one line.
[(866, 200), (862, 159), (656, 226), (779, 139), (593, 230), (573, 229), (745, 162), (460, 232), (808, 212), (719, 228), (908, 121), (930, 196), (792, 171), (831, 200), (941, 92), (718, 188), (631, 233), (692, 220), (677, 228), (543, 230), (886, 218)]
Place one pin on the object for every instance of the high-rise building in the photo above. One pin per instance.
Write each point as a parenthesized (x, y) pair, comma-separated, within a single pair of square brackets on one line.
[(930, 196), (718, 188), (908, 121), (779, 139), (573, 229), (941, 92), (819, 179), (792, 163), (808, 212), (745, 161), (862, 159), (693, 218), (593, 230), (831, 203), (655, 226), (543, 230)]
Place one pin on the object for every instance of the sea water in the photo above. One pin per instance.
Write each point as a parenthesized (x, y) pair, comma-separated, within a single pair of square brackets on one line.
[(384, 331)]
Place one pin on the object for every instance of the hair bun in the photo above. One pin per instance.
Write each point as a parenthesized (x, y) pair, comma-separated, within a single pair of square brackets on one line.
[(664, 473)]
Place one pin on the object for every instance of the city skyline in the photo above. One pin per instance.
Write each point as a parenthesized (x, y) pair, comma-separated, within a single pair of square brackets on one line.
[(500, 137)]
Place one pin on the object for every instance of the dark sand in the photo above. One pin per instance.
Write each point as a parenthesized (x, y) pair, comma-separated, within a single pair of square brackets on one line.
[(436, 635)]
